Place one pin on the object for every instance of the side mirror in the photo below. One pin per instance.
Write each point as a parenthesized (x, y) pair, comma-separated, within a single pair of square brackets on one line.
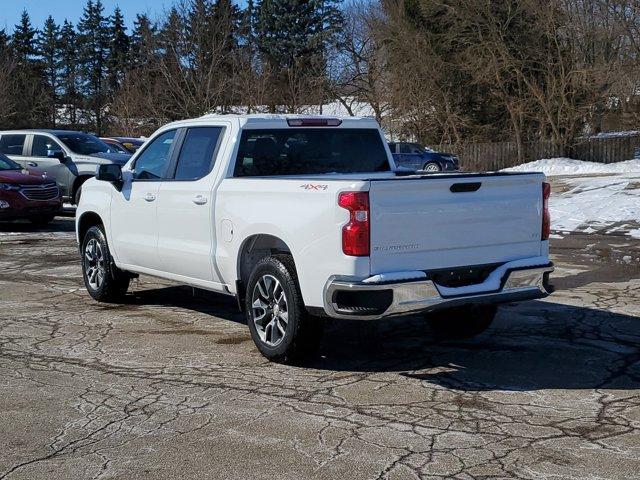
[(111, 173), (59, 154)]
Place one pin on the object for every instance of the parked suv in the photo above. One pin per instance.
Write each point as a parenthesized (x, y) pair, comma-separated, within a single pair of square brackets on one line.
[(69, 157), (26, 196), (417, 157)]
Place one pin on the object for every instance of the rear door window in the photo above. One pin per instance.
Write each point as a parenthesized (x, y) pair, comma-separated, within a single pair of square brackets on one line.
[(12, 144), (302, 151), (196, 157)]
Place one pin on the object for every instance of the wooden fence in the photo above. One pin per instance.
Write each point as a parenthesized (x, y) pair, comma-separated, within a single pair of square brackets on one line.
[(499, 155)]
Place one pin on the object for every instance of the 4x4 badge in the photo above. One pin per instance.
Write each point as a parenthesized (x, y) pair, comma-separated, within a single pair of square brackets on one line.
[(314, 186)]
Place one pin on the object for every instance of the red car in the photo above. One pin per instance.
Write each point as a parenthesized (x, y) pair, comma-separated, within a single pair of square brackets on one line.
[(25, 195)]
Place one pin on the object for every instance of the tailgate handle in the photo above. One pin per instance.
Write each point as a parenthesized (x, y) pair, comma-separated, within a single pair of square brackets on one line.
[(465, 187)]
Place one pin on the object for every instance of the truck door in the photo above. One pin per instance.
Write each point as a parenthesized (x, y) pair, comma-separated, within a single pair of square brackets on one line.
[(186, 239), (134, 216)]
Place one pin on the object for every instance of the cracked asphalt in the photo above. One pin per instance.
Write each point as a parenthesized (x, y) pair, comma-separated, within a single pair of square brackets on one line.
[(169, 384)]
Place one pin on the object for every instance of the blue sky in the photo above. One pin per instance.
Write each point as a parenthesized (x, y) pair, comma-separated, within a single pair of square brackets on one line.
[(11, 10)]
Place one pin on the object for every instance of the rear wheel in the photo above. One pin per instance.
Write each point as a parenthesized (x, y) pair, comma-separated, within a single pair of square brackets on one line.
[(104, 281), (461, 323), (431, 167), (280, 326)]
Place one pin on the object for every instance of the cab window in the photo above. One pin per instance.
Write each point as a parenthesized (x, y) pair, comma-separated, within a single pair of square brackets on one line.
[(152, 162)]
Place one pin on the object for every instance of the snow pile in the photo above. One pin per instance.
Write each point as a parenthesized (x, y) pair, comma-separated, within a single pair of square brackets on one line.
[(569, 166), (597, 204)]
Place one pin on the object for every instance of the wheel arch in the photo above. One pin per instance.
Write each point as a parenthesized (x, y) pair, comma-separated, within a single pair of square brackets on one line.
[(77, 183), (253, 249), (85, 222)]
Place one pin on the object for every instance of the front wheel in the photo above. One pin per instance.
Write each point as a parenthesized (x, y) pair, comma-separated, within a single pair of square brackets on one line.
[(104, 281), (280, 326), (431, 167), (461, 323)]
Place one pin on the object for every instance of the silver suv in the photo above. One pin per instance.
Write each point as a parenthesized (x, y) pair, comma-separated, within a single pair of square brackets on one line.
[(70, 157)]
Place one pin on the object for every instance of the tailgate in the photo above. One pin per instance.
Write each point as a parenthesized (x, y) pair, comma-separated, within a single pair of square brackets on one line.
[(422, 224)]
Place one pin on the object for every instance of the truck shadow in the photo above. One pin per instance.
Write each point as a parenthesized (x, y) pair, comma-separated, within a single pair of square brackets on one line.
[(185, 297), (531, 346), (59, 224)]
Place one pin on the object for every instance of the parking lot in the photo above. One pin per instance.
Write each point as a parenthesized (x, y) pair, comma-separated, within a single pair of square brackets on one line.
[(169, 385)]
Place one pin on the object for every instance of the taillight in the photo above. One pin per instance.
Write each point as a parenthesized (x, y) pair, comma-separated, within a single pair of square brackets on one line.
[(355, 234), (546, 217)]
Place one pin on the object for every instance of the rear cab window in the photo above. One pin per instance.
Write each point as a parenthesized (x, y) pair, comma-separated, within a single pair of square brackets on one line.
[(310, 151), (197, 153), (12, 144)]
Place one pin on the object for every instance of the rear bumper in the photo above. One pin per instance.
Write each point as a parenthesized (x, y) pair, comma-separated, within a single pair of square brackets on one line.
[(360, 300)]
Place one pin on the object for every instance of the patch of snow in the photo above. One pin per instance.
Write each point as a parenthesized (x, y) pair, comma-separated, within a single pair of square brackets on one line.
[(628, 133), (591, 204), (569, 166)]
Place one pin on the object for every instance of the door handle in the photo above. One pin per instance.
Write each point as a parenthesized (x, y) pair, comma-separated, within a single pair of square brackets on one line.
[(32, 164), (199, 200), (149, 197)]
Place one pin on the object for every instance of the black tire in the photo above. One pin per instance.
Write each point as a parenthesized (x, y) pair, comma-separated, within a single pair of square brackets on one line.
[(461, 323), (302, 332), (42, 219), (115, 282), (431, 167)]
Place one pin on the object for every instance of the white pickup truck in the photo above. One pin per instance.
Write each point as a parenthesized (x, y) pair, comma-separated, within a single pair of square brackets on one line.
[(303, 218)]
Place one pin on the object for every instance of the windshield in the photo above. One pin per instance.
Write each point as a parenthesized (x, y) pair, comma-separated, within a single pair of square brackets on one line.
[(83, 143), (310, 151), (7, 164)]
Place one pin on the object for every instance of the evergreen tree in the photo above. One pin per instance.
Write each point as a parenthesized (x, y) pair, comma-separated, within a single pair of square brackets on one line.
[(69, 71), (292, 30), (143, 41), (4, 42), (31, 97), (93, 40), (293, 37), (118, 50), (48, 52), (23, 40)]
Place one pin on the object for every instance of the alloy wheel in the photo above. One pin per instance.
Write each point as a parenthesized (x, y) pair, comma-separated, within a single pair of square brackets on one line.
[(94, 264), (270, 310)]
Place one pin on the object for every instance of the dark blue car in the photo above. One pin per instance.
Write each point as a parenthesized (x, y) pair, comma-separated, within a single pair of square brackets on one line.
[(416, 157)]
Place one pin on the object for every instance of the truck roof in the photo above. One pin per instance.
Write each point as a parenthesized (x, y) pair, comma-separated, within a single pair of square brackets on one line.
[(279, 120)]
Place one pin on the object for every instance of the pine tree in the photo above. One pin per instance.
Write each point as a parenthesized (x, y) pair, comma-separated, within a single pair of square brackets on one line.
[(69, 71), (48, 52), (143, 41), (291, 30), (93, 40), (293, 37), (118, 50), (31, 97), (4, 42), (23, 40)]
